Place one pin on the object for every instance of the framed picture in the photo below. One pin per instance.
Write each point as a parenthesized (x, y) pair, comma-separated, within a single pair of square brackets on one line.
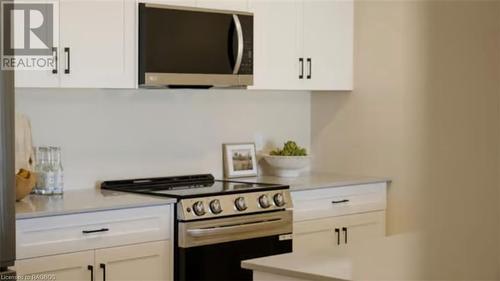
[(239, 160)]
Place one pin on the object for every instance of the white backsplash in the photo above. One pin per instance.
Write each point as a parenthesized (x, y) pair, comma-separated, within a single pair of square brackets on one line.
[(112, 134)]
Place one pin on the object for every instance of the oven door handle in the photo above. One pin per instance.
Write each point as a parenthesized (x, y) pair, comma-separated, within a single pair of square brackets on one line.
[(239, 32), (233, 229)]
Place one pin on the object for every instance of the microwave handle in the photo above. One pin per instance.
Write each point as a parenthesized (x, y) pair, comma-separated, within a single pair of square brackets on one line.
[(239, 32)]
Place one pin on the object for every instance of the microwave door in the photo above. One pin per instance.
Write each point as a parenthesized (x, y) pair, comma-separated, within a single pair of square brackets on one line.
[(187, 47)]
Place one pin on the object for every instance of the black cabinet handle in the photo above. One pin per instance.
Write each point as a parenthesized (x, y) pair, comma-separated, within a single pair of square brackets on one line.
[(68, 63), (54, 56), (344, 229), (91, 268), (337, 232), (301, 66), (103, 266), (309, 64), (340, 201), (95, 231)]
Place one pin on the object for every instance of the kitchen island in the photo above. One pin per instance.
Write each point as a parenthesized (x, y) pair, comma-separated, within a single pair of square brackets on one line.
[(388, 258)]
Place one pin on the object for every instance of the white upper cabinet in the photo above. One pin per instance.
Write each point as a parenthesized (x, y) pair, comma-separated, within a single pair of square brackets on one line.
[(97, 43), (276, 60), (328, 44), (43, 78), (231, 5), (303, 44), (96, 47)]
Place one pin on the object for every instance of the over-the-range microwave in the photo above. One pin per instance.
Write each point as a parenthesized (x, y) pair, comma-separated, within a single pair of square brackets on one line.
[(194, 47)]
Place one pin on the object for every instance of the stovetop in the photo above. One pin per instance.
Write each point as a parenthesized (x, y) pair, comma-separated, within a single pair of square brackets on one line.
[(191, 186)]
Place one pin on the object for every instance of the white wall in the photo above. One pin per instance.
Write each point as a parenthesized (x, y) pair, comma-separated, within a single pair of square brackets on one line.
[(111, 134), (425, 112)]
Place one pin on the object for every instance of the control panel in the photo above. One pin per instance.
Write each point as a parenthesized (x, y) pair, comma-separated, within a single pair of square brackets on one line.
[(233, 204)]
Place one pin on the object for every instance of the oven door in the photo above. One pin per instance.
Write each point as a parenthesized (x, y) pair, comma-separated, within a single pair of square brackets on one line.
[(191, 46), (214, 249)]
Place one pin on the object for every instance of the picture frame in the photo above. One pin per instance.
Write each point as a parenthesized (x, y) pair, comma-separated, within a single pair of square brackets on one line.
[(240, 160)]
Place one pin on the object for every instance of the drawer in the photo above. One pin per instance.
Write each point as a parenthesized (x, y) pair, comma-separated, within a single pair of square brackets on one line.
[(338, 201), (70, 233)]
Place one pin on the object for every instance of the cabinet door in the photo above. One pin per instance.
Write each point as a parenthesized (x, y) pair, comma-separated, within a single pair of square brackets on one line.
[(328, 232), (70, 267), (43, 78), (276, 59), (315, 234), (361, 228), (232, 5), (328, 44), (97, 41), (148, 261)]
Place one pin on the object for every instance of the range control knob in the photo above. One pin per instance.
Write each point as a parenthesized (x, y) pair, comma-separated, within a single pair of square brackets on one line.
[(240, 204), (215, 206), (279, 199), (198, 208), (264, 201)]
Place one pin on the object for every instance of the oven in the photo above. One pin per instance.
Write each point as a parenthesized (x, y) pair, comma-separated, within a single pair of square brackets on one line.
[(219, 223), (213, 249)]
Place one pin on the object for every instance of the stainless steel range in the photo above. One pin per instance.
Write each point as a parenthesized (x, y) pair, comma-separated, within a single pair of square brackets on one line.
[(220, 223)]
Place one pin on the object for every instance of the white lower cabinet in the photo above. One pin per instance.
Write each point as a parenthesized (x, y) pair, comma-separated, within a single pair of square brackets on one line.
[(148, 261), (336, 216), (115, 245)]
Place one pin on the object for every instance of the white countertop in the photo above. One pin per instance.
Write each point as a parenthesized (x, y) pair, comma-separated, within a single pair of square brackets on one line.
[(316, 180), (317, 266), (388, 258), (83, 201)]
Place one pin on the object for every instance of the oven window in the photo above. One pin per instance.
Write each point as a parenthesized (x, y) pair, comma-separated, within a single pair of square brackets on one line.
[(181, 41), (223, 261)]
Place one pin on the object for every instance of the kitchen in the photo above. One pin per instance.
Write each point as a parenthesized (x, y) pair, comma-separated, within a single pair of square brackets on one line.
[(409, 116)]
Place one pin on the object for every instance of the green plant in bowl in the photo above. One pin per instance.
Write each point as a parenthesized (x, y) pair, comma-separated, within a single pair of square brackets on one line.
[(290, 149)]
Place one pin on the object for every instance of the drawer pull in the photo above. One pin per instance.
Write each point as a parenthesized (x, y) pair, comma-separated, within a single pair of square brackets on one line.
[(95, 231), (340, 201)]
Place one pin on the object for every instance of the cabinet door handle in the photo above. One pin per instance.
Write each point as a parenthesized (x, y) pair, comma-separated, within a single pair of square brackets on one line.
[(91, 268), (103, 266), (309, 65), (337, 233), (340, 201), (54, 57), (95, 230), (344, 229), (68, 62), (301, 68)]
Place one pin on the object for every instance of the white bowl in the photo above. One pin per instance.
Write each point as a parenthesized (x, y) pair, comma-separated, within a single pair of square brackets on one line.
[(288, 166)]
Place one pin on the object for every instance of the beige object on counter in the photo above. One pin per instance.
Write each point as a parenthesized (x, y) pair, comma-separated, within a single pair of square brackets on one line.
[(24, 144), (25, 182)]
